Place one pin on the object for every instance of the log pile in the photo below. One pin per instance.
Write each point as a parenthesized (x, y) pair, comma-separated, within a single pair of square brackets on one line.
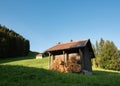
[(71, 65)]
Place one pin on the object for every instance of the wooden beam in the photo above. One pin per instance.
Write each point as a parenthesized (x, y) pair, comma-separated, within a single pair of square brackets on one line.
[(80, 52), (81, 59), (64, 56), (66, 59), (49, 60), (52, 57)]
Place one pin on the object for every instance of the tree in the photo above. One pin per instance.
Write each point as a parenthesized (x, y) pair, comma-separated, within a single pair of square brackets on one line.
[(107, 55), (12, 44)]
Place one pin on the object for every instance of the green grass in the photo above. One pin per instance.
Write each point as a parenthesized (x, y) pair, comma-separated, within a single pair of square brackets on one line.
[(28, 71), (28, 61)]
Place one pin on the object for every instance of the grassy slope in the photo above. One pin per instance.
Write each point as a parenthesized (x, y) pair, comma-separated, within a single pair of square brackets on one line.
[(27, 71)]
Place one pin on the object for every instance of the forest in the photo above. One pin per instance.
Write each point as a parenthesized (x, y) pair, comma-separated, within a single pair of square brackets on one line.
[(12, 44), (107, 55)]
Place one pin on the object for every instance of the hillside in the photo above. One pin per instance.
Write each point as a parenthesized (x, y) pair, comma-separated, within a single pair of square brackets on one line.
[(28, 71)]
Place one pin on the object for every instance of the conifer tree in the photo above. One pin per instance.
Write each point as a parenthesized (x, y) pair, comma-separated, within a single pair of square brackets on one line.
[(12, 44), (107, 55)]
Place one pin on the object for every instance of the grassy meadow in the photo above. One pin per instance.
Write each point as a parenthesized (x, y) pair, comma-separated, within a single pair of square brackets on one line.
[(28, 71)]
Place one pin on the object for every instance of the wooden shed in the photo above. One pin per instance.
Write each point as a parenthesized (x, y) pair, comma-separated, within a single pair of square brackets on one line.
[(81, 50), (39, 56)]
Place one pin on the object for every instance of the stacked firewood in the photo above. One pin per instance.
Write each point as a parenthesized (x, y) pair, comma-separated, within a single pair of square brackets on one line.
[(71, 65)]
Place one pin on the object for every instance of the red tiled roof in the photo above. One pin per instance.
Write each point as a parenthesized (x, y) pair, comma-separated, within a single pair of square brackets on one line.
[(69, 45)]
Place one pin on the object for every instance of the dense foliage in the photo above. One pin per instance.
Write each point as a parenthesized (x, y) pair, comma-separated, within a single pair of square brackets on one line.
[(12, 44), (107, 55)]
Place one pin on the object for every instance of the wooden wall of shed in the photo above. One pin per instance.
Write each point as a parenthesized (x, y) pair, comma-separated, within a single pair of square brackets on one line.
[(71, 55), (74, 55), (87, 65), (59, 56)]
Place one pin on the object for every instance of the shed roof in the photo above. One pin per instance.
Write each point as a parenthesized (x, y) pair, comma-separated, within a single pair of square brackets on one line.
[(69, 45)]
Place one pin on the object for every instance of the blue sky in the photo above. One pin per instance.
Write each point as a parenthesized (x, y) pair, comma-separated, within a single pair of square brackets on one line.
[(47, 22)]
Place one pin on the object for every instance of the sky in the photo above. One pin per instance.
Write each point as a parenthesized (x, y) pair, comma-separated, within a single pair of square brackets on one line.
[(46, 22)]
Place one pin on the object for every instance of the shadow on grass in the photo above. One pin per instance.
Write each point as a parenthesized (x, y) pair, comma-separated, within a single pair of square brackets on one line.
[(31, 55), (29, 76), (98, 72)]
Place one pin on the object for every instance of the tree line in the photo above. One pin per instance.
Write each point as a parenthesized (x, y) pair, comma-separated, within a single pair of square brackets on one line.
[(12, 44), (107, 55)]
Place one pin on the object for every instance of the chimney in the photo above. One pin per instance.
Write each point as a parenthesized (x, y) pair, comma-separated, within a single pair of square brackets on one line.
[(71, 40)]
